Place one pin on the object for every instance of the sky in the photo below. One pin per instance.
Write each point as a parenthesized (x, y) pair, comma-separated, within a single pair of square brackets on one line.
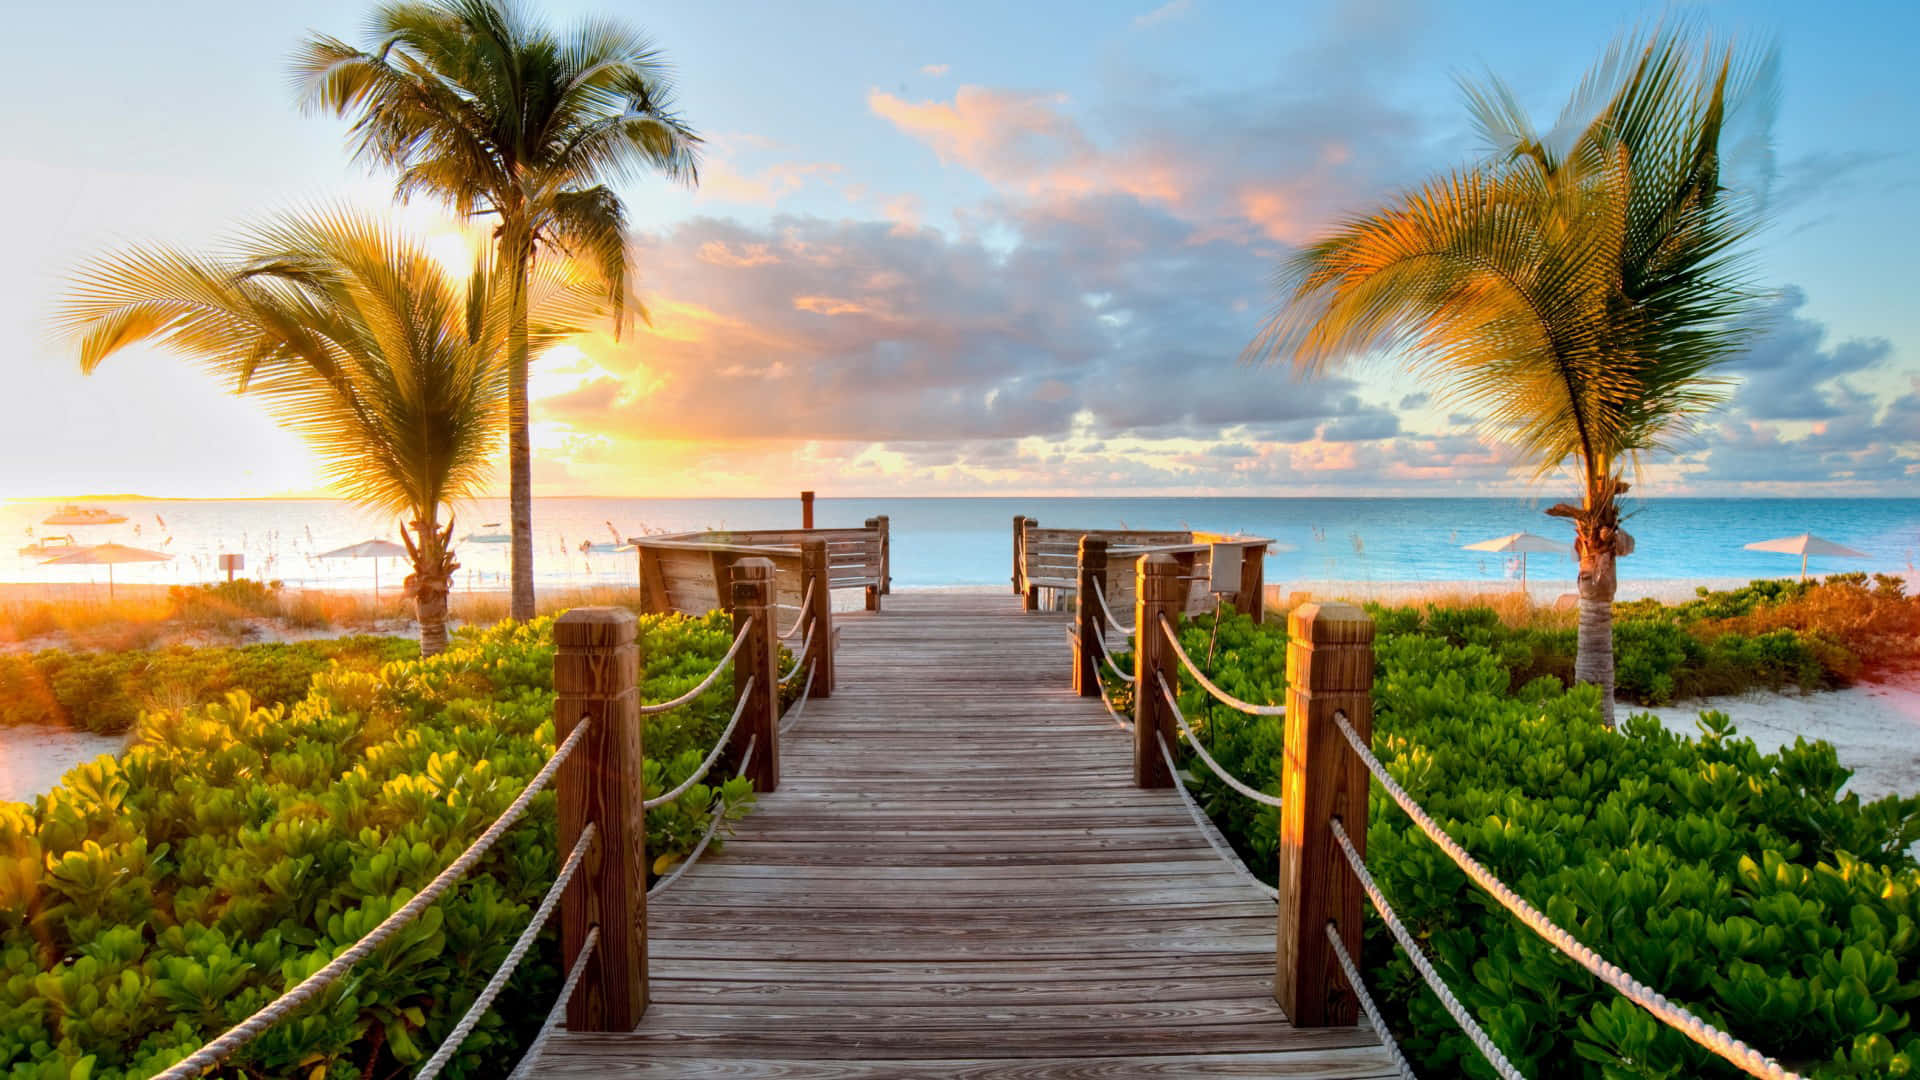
[(960, 249)]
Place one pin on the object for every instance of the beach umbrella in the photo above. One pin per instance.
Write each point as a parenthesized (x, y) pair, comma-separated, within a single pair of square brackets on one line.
[(368, 549), (1521, 544), (1804, 545), (107, 555)]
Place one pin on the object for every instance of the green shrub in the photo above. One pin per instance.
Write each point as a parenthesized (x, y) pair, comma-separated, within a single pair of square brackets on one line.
[(1738, 883), (105, 692), (150, 902)]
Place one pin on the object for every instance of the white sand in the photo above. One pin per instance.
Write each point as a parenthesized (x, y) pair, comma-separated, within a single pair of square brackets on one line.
[(33, 759), (1874, 728)]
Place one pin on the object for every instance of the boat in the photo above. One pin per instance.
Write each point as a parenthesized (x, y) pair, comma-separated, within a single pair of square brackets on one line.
[(72, 514), (588, 547), (493, 537), (50, 547)]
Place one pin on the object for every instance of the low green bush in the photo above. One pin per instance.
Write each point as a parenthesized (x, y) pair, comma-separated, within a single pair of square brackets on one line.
[(1738, 883), (105, 692), (149, 902)]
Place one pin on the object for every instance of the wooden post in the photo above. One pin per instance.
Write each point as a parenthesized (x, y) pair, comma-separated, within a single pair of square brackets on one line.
[(1251, 600), (758, 660), (879, 564), (1091, 620), (1157, 591), (1329, 670), (806, 509), (1019, 553), (653, 582), (596, 665), (813, 575), (886, 554)]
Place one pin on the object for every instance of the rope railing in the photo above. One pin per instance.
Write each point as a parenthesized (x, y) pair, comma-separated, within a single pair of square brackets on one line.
[(739, 639), (1106, 655), (1475, 1033), (1227, 778), (1739, 1054), (746, 695), (539, 1043), (806, 605), (1207, 684), (1205, 824), (714, 818), (484, 1003), (1101, 595), (213, 1053), (799, 658), (1125, 723), (1352, 971), (799, 706)]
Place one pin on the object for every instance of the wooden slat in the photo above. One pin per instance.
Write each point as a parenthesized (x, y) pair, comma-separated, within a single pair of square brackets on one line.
[(958, 878)]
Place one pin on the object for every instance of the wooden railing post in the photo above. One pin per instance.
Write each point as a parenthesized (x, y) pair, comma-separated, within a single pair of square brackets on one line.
[(1091, 619), (819, 613), (880, 562), (1329, 670), (758, 660), (1019, 553), (1158, 591), (886, 554), (1250, 598), (806, 509), (596, 665)]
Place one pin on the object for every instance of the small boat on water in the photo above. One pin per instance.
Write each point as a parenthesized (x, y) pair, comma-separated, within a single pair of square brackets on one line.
[(492, 536), (52, 547), (72, 514)]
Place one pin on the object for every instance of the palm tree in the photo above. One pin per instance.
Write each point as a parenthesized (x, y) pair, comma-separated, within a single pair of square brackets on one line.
[(1576, 290), (356, 339), (482, 106)]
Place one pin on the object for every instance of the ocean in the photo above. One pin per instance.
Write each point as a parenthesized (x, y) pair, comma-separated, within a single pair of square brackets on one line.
[(967, 541)]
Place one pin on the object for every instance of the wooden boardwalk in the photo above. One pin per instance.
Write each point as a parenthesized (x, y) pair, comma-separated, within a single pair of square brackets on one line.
[(957, 878)]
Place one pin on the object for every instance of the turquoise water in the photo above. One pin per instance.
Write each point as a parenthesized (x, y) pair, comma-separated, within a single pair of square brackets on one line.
[(968, 541)]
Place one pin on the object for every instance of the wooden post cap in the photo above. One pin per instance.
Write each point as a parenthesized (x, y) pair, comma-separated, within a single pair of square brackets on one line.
[(595, 627), (753, 568), (1340, 639)]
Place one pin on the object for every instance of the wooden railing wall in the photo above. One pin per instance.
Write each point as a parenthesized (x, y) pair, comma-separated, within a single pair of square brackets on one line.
[(1232, 567), (687, 572)]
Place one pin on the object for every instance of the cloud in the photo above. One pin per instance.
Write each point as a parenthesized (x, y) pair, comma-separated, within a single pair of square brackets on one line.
[(1172, 9), (936, 70), (1791, 373)]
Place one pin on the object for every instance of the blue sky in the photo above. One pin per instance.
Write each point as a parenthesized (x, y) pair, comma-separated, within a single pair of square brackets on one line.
[(956, 249)]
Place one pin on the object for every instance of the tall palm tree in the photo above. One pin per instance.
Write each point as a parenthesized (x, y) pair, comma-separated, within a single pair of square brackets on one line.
[(479, 104), (356, 339), (1576, 290)]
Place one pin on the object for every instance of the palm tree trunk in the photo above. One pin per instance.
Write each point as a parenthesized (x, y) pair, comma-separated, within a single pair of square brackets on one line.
[(431, 552), (515, 248), (1593, 660)]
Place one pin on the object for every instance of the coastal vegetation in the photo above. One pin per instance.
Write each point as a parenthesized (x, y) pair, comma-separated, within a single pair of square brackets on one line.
[(149, 902), (481, 105), (1742, 884), (357, 339), (1575, 290)]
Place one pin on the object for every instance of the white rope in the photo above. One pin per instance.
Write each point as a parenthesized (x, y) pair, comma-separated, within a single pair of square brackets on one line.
[(799, 658), (1226, 777), (746, 695), (1101, 595), (738, 640), (1118, 717), (1227, 699), (1106, 655), (715, 816), (1438, 985), (1744, 1057), (806, 605), (271, 1013), (483, 1003), (559, 1009), (799, 706), (1367, 1006), (1205, 824)]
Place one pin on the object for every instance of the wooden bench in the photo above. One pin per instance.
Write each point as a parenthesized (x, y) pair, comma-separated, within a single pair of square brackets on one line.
[(1212, 563)]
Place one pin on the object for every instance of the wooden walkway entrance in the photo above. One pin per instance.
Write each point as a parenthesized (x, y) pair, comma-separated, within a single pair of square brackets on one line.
[(958, 878)]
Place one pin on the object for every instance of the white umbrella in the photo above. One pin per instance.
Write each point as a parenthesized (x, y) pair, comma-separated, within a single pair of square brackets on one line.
[(1804, 545), (368, 549), (107, 555), (1521, 544)]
